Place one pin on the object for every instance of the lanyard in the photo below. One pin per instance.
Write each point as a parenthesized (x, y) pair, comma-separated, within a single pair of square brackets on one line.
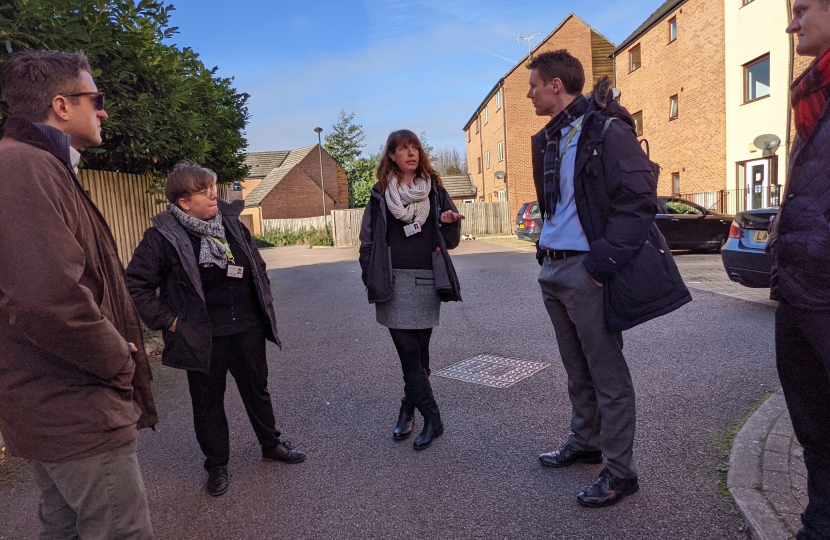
[(224, 244), (570, 138)]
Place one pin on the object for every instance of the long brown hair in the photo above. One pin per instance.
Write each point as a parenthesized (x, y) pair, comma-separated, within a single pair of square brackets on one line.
[(388, 168)]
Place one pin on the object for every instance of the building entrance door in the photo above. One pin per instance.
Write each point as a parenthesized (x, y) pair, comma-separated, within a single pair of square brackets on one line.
[(757, 184)]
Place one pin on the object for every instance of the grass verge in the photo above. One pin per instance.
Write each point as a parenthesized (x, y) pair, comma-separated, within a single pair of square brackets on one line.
[(723, 440)]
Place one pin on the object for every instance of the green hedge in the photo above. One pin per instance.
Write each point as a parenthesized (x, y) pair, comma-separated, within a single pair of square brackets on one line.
[(314, 237)]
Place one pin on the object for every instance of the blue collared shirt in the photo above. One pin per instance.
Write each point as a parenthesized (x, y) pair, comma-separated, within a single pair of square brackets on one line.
[(563, 230)]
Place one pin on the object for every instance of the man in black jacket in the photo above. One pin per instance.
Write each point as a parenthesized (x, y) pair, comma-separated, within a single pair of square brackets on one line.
[(800, 245), (605, 266)]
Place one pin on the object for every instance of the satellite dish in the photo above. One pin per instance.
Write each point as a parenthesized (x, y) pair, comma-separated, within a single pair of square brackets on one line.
[(616, 93), (766, 142), (500, 175)]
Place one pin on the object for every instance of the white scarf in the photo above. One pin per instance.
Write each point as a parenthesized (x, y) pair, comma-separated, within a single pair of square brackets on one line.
[(409, 204)]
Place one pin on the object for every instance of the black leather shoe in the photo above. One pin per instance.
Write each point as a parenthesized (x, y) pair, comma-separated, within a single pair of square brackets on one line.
[(406, 421), (568, 455), (433, 427), (606, 490), (282, 452), (217, 483)]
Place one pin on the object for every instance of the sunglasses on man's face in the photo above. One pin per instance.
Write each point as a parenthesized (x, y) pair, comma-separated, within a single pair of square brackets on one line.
[(97, 98)]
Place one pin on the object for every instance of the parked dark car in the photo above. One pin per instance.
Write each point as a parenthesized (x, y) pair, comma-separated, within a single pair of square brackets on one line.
[(744, 256), (528, 224), (687, 225)]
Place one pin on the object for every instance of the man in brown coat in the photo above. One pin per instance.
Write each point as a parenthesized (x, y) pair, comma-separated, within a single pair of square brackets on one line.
[(74, 388)]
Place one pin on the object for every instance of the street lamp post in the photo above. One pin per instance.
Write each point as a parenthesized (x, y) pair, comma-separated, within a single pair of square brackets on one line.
[(319, 130)]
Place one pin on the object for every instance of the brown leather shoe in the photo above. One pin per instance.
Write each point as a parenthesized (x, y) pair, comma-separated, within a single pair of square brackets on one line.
[(568, 455), (283, 452), (217, 483), (607, 489)]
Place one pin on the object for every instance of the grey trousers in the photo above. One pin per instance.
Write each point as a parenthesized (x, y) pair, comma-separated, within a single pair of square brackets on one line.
[(97, 498), (599, 383)]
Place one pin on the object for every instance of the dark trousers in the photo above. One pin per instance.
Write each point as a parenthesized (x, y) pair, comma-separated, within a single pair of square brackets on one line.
[(244, 356), (599, 383), (802, 350), (413, 349)]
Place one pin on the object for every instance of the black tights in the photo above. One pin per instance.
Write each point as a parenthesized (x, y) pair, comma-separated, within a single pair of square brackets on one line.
[(413, 349)]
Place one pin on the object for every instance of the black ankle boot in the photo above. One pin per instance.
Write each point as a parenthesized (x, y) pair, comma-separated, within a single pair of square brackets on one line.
[(433, 427), (406, 420), (425, 402)]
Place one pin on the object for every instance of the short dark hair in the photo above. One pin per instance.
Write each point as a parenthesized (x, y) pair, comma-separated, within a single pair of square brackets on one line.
[(32, 79), (560, 65), (186, 179)]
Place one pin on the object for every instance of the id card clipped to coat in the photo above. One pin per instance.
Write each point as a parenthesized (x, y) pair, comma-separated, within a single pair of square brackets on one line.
[(235, 272)]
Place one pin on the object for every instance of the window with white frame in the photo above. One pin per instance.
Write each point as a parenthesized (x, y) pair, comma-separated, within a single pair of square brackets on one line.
[(487, 160), (486, 116), (756, 79), (673, 107), (498, 100), (501, 151), (672, 29)]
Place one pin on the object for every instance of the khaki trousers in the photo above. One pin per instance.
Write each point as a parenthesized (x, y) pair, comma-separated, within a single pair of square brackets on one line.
[(96, 498)]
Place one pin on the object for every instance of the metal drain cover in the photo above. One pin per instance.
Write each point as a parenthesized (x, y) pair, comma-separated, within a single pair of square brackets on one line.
[(490, 370)]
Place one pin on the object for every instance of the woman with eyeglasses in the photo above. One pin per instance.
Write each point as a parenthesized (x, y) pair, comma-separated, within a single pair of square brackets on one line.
[(409, 224), (215, 311)]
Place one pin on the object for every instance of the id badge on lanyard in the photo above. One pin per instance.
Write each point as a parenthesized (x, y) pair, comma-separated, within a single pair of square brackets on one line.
[(233, 271), (412, 228)]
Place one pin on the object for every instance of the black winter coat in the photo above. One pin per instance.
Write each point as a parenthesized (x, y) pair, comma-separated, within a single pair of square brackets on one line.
[(165, 260), (375, 254), (616, 199), (800, 240)]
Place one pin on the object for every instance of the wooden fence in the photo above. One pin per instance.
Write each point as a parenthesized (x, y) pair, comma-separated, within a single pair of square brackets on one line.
[(481, 219), (127, 207), (347, 226), (296, 225), (125, 204), (486, 218)]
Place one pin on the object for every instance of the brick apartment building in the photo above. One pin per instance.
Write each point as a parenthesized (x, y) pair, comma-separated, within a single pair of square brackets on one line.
[(498, 133), (671, 75), (705, 79), (286, 185)]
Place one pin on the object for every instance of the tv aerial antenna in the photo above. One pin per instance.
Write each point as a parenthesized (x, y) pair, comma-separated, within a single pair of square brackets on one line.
[(519, 39)]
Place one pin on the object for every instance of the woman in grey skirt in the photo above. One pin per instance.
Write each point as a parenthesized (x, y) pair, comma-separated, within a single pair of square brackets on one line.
[(409, 216)]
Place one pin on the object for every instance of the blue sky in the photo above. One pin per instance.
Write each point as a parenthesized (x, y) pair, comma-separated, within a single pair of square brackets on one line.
[(423, 65)]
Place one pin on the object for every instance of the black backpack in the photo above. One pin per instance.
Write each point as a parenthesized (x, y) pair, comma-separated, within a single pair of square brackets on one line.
[(655, 167)]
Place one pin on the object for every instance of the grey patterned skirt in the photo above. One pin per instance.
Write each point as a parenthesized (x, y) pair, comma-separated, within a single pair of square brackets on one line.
[(414, 305)]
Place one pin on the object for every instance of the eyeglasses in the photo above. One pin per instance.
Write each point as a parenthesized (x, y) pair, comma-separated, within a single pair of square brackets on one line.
[(98, 98), (209, 192)]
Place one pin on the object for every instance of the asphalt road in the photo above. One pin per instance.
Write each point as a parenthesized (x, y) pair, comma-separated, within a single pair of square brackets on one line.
[(336, 386)]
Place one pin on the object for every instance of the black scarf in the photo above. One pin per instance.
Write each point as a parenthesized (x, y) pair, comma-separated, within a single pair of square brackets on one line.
[(552, 162)]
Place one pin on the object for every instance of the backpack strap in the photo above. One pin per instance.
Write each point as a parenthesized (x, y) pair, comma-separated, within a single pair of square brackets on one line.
[(601, 141), (606, 126)]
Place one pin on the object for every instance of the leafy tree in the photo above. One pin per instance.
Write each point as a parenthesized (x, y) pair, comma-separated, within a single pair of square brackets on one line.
[(362, 193), (427, 148), (344, 142), (164, 105), (362, 170)]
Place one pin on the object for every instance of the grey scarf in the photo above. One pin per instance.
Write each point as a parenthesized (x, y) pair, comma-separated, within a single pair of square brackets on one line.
[(210, 251)]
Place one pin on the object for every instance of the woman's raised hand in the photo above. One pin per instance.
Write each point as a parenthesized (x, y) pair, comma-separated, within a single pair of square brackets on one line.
[(450, 217)]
